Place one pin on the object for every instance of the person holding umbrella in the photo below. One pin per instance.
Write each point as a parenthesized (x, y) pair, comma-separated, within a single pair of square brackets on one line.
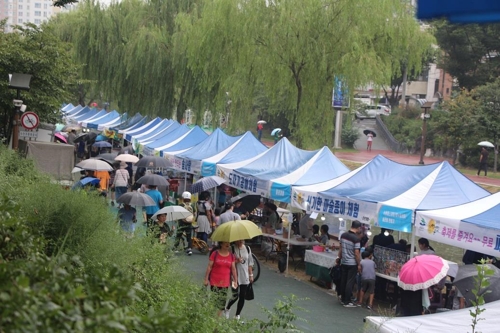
[(204, 217), (244, 267), (127, 218), (369, 138), (120, 182), (185, 224), (483, 161)]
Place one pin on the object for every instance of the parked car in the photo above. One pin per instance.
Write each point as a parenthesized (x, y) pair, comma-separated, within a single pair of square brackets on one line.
[(372, 111)]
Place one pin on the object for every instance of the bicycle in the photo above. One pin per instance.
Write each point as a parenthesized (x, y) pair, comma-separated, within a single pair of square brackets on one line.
[(197, 243)]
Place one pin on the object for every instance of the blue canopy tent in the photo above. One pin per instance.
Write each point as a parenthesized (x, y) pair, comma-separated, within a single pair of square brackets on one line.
[(254, 177), (107, 117), (190, 160), (460, 11), (321, 167), (135, 122), (150, 148), (444, 187), (174, 125), (68, 107), (89, 119), (245, 147), (77, 111), (145, 135), (114, 122), (84, 115), (129, 133), (473, 226), (190, 139)]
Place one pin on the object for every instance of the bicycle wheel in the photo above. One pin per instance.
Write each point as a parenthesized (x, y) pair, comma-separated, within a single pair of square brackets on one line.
[(256, 268), (202, 246)]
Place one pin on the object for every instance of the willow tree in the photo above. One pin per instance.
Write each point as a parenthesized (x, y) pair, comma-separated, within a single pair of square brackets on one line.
[(293, 50), (127, 50)]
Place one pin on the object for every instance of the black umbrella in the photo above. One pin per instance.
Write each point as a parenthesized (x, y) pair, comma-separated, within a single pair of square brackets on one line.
[(153, 162), (154, 180), (368, 131), (136, 199), (464, 281), (86, 137), (248, 201), (108, 157)]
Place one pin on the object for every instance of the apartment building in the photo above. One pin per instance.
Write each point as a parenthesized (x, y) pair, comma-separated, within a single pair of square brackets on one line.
[(19, 12)]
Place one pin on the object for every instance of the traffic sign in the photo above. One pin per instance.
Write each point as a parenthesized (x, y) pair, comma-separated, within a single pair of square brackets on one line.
[(30, 120), (28, 134)]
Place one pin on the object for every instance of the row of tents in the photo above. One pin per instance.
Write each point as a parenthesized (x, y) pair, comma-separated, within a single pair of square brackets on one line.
[(381, 192)]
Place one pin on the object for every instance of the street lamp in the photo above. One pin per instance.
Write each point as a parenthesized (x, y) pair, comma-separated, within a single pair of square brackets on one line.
[(19, 82), (424, 116)]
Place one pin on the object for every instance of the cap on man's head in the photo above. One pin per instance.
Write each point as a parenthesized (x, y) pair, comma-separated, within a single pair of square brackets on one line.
[(356, 224)]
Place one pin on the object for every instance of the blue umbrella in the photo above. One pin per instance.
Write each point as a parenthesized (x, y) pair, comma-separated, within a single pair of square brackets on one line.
[(86, 181), (101, 137), (102, 144), (90, 180)]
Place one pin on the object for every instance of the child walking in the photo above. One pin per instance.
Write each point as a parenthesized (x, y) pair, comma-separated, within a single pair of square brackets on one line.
[(367, 279)]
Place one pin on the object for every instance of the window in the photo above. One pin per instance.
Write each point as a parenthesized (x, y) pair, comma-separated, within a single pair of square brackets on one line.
[(447, 91), (20, 7), (44, 14), (28, 14), (38, 13), (44, 6), (38, 21), (38, 5), (28, 7), (20, 14), (19, 20)]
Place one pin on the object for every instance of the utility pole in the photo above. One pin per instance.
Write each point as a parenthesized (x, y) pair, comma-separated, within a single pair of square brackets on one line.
[(425, 116)]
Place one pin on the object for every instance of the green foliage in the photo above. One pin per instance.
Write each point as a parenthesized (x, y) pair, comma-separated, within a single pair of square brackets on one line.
[(406, 127), (36, 51), (349, 135), (480, 289), (469, 52), (66, 267), (282, 316)]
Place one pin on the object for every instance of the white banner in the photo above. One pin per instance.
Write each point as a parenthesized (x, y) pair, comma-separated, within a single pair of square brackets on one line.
[(365, 212), (464, 235)]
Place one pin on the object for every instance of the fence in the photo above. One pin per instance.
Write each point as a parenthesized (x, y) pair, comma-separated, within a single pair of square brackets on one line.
[(390, 141)]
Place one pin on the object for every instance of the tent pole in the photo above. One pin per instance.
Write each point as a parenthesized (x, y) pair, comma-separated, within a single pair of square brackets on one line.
[(288, 248), (412, 252), (185, 181)]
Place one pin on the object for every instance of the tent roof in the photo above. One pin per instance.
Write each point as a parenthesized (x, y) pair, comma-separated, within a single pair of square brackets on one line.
[(246, 147), (213, 144), (144, 135), (444, 187), (77, 111), (483, 212), (321, 167), (168, 138), (98, 115), (160, 134), (374, 173), (444, 322), (111, 116), (190, 139), (114, 122), (281, 159), (84, 115), (135, 122), (67, 107), (129, 133)]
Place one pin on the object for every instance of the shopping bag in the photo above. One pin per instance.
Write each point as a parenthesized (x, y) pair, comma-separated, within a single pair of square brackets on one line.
[(249, 294)]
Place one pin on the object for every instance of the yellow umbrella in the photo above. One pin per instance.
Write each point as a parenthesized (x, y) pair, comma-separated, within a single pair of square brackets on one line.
[(236, 230)]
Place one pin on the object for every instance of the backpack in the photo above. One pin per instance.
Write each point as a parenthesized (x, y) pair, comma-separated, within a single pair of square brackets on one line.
[(248, 249), (189, 208)]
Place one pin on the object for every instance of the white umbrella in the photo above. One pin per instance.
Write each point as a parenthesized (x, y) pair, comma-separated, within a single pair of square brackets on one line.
[(127, 158), (275, 131), (76, 169), (262, 122), (206, 183), (94, 164), (486, 144), (173, 213)]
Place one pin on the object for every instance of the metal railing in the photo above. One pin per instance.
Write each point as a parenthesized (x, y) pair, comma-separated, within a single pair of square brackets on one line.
[(390, 141)]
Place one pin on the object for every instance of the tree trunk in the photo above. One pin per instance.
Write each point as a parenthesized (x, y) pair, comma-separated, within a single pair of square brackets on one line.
[(403, 92)]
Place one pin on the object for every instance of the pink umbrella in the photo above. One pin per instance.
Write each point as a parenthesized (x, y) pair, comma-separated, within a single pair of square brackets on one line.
[(422, 271), (60, 137)]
